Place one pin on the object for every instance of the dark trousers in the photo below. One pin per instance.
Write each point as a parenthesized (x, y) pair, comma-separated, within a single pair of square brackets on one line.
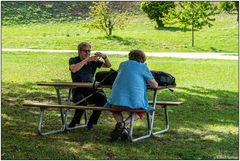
[(98, 99)]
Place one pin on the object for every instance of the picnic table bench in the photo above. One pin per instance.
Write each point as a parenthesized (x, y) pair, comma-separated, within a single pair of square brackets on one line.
[(64, 109)]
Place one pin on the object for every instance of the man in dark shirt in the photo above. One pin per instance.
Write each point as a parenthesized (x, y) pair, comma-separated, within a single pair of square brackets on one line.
[(83, 68)]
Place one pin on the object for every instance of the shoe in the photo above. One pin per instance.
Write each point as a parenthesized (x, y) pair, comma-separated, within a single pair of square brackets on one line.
[(90, 126), (124, 134), (75, 120), (116, 133), (72, 124)]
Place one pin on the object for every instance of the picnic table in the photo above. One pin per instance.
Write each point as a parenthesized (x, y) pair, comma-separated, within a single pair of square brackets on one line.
[(64, 114)]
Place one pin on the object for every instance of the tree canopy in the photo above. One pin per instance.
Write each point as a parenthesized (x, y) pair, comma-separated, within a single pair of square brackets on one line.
[(103, 17), (156, 10), (194, 14)]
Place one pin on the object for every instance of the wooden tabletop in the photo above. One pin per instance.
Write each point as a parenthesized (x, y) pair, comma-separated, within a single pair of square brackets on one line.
[(83, 85), (67, 84)]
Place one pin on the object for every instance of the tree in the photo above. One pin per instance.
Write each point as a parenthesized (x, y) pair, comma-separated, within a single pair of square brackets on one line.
[(236, 3), (155, 10), (227, 6), (103, 17), (194, 14)]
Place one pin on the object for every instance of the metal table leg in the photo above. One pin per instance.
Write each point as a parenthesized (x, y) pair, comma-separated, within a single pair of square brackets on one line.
[(67, 112), (167, 125), (61, 110), (132, 125), (153, 112), (42, 116), (150, 121), (40, 126)]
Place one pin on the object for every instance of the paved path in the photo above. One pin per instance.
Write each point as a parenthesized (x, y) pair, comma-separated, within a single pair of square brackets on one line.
[(167, 54)]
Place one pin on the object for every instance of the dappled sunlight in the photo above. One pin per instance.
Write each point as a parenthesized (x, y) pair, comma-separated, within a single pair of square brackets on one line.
[(199, 93), (191, 131), (89, 146), (28, 133), (204, 127), (224, 129), (209, 132), (6, 117), (74, 150), (16, 121), (212, 137), (223, 156), (222, 97)]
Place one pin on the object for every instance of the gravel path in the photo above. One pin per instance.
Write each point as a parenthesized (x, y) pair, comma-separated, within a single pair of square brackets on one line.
[(187, 55)]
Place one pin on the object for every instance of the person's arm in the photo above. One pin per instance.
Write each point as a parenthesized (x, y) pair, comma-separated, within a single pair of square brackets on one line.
[(153, 83), (149, 78), (76, 67), (106, 63)]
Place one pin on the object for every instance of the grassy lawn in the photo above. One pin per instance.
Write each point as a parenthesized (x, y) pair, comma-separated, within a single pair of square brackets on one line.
[(139, 33), (205, 127)]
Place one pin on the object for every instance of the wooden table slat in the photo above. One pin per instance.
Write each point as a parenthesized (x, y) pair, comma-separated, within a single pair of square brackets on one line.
[(84, 85), (43, 105)]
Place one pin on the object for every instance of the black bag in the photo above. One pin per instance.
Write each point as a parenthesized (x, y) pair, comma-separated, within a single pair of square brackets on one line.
[(163, 79), (106, 77)]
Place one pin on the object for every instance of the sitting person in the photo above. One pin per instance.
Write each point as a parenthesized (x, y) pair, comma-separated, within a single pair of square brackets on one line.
[(82, 69), (129, 91)]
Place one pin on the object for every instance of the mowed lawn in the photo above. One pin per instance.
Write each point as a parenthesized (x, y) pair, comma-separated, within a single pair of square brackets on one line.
[(205, 127), (138, 34)]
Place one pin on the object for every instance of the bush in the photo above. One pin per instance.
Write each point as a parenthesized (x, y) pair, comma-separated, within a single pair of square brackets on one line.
[(155, 10), (42, 12), (106, 17), (226, 6), (20, 12)]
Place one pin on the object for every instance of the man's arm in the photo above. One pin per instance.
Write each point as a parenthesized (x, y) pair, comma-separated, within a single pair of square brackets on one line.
[(106, 63), (76, 67)]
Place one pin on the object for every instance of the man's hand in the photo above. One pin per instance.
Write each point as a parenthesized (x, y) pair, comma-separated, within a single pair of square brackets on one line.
[(100, 55), (92, 58)]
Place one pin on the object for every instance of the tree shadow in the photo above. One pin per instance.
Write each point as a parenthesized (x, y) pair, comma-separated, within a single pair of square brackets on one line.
[(190, 128), (216, 50), (123, 41), (172, 29), (24, 92), (221, 97), (213, 49)]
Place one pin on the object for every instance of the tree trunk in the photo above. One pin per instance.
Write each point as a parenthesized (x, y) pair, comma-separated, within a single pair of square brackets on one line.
[(237, 7), (192, 35), (238, 15), (110, 31), (109, 26), (159, 23)]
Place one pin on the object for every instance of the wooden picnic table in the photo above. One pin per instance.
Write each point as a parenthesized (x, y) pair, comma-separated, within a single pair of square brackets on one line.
[(71, 85), (84, 85)]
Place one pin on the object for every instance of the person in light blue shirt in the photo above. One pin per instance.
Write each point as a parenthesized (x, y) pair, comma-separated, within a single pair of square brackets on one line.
[(129, 91)]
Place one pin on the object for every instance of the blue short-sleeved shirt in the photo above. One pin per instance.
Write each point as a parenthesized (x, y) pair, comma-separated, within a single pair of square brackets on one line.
[(129, 87)]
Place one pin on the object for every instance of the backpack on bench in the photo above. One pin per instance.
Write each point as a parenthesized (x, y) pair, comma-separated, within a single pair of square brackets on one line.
[(108, 77), (163, 78)]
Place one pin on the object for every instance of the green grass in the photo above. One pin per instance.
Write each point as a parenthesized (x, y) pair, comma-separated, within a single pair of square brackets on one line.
[(139, 33), (205, 127)]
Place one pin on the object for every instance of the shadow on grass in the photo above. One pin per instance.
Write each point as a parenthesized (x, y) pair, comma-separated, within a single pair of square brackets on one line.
[(192, 133), (172, 29), (212, 49), (123, 41)]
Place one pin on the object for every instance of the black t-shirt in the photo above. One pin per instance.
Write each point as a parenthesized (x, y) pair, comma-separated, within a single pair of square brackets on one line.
[(86, 73)]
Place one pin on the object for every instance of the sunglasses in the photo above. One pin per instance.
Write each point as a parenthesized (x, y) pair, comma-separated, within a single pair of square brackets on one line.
[(86, 51)]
